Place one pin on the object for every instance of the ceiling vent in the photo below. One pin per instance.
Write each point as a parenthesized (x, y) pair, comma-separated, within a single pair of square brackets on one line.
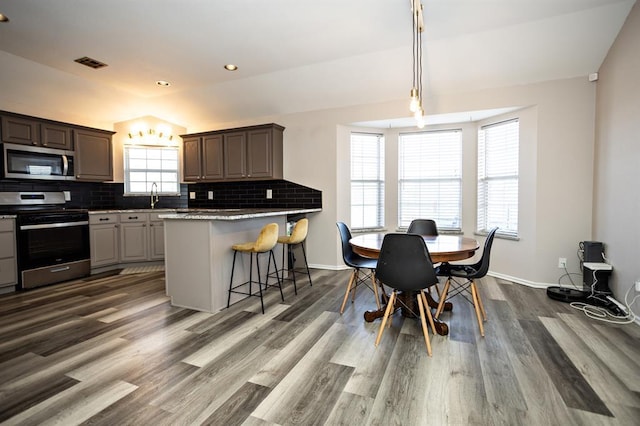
[(91, 63)]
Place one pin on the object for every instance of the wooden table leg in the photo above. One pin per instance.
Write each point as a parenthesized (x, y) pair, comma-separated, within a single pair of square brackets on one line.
[(441, 327), (448, 306)]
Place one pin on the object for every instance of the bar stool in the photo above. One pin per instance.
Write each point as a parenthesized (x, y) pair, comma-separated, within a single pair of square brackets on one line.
[(297, 237), (266, 241)]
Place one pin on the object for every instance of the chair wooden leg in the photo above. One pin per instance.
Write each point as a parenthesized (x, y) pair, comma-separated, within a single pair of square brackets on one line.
[(384, 292), (354, 287), (484, 314), (421, 307), (375, 289), (387, 312), (428, 311), (443, 297), (474, 294), (346, 293)]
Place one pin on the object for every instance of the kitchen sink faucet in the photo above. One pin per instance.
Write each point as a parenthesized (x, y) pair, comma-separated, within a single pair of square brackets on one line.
[(154, 194)]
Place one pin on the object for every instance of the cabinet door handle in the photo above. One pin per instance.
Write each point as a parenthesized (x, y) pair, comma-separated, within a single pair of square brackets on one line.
[(102, 219), (133, 217)]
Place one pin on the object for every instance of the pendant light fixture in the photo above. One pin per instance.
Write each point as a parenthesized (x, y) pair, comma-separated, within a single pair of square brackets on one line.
[(415, 104)]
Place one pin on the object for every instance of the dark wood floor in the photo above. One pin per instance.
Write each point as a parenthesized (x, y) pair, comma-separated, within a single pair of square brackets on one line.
[(112, 350)]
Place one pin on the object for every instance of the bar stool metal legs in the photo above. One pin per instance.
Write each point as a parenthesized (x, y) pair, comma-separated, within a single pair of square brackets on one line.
[(264, 244), (297, 237), (292, 264)]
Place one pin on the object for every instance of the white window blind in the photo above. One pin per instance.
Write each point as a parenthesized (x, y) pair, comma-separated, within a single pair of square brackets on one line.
[(367, 180), (498, 168), (144, 165), (430, 178)]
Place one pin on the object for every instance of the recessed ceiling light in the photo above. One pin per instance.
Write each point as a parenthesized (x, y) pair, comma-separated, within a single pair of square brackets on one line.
[(4, 18), (163, 83), (230, 67)]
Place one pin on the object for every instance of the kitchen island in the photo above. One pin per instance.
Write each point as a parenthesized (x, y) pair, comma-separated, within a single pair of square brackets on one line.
[(198, 255)]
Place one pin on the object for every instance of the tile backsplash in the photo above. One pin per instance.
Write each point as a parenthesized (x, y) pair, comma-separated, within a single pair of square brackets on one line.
[(235, 195), (229, 195)]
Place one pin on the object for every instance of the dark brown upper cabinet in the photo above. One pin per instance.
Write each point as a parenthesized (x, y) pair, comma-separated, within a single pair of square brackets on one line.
[(203, 158), (55, 136), (246, 153), (93, 155), (32, 131), (25, 131)]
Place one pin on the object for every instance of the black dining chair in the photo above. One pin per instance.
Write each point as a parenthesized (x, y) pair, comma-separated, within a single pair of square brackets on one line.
[(465, 284), (423, 227), (404, 265), (358, 263)]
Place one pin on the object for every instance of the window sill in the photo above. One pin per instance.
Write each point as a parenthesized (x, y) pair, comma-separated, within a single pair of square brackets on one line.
[(367, 230), (499, 236)]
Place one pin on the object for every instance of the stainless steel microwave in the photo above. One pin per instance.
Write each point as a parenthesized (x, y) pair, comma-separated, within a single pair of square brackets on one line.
[(31, 162)]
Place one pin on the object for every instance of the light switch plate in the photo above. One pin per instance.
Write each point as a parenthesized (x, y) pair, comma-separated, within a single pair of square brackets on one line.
[(192, 195)]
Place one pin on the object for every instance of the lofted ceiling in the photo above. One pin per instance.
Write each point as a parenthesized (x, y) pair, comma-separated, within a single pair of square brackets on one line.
[(293, 55)]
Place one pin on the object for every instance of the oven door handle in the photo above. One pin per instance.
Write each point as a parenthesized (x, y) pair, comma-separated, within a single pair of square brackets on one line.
[(54, 225)]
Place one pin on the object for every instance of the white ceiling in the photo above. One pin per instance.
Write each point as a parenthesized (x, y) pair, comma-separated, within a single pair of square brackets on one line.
[(293, 55)]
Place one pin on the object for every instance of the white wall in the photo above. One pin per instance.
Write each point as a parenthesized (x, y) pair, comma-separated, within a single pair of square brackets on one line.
[(617, 165), (557, 122)]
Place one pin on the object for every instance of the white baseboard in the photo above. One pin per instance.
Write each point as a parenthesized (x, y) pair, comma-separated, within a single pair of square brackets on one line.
[(520, 280), (329, 267)]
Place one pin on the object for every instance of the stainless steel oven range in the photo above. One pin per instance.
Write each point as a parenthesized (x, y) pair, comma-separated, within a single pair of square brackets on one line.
[(52, 241)]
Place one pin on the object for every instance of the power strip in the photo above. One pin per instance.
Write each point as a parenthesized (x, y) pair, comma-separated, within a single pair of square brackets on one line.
[(618, 304)]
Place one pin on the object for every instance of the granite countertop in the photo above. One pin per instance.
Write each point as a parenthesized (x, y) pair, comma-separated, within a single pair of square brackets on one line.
[(231, 214), (8, 216), (161, 210)]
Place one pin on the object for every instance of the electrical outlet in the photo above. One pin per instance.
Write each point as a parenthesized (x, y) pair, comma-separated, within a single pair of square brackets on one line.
[(192, 195), (269, 194), (562, 262), (638, 285), (210, 195)]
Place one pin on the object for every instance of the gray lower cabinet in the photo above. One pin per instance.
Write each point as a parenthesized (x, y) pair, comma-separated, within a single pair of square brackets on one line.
[(134, 239), (8, 265), (156, 237), (105, 239), (125, 238)]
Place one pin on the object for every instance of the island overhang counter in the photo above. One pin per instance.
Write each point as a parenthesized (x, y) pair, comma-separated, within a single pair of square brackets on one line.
[(198, 254)]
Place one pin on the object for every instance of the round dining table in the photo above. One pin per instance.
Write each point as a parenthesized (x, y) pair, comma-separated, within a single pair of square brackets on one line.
[(442, 248)]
